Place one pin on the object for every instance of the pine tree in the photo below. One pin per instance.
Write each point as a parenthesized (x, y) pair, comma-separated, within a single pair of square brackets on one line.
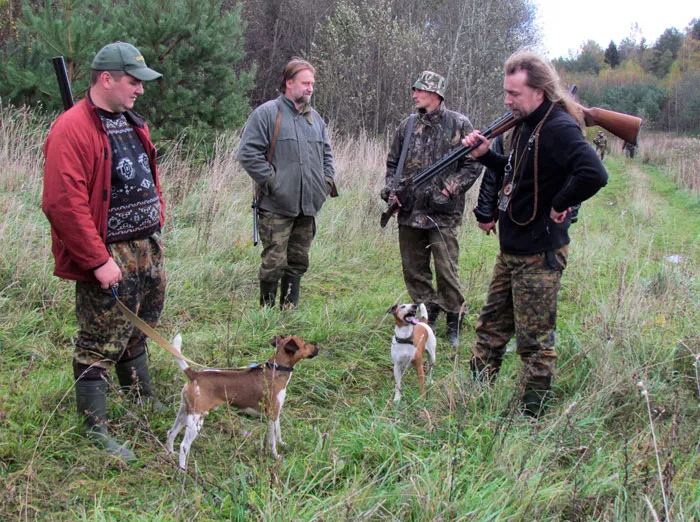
[(612, 56), (74, 29), (195, 44), (198, 47)]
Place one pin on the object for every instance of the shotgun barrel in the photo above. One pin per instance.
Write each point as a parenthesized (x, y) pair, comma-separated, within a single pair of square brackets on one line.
[(59, 66), (624, 126), (496, 128)]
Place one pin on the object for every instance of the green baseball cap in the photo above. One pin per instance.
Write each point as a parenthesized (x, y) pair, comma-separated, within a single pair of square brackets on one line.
[(431, 82), (121, 56)]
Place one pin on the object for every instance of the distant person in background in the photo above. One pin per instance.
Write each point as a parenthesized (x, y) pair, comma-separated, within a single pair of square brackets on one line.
[(431, 225), (293, 185), (546, 169), (601, 144), (103, 199), (629, 149)]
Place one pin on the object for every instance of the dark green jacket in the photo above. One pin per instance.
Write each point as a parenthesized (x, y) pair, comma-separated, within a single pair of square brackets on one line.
[(302, 170)]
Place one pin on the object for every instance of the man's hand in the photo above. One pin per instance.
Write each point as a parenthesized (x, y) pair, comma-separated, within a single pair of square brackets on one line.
[(385, 193), (108, 274), (475, 139), (450, 188), (488, 227), (558, 217)]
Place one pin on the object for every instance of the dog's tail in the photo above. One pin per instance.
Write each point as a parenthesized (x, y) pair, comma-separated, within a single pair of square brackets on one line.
[(423, 311), (177, 344)]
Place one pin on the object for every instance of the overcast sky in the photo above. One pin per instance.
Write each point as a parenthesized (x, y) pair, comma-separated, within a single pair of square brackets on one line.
[(565, 25)]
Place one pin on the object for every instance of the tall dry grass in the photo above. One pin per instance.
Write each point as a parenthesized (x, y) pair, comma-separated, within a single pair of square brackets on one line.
[(677, 156), (626, 314)]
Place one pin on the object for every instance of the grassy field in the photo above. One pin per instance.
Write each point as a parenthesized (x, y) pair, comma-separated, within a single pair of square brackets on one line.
[(610, 448)]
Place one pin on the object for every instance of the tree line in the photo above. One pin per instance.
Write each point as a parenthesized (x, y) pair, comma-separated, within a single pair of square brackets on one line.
[(219, 58), (657, 82)]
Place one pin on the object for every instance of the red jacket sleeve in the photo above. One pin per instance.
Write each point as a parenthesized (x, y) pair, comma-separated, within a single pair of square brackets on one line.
[(70, 175)]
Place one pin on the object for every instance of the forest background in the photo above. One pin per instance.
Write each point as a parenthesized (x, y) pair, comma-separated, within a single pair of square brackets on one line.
[(220, 58)]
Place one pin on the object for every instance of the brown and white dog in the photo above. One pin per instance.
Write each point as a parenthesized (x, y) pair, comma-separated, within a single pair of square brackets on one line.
[(412, 338), (254, 390)]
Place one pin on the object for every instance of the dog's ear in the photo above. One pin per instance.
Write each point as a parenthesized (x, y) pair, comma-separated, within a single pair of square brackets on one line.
[(276, 340), (392, 310), (292, 345)]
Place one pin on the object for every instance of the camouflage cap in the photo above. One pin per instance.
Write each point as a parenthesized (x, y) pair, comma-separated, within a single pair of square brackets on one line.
[(431, 82)]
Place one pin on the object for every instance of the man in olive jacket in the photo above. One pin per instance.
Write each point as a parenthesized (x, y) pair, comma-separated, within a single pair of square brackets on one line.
[(293, 185)]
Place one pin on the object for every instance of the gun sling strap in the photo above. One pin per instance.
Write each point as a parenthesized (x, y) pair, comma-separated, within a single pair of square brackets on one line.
[(275, 134), (404, 151), (270, 152)]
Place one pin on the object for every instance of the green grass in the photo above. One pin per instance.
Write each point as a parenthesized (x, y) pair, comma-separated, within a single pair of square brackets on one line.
[(626, 314)]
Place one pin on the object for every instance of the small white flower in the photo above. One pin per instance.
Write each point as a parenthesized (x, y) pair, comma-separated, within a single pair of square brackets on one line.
[(570, 409)]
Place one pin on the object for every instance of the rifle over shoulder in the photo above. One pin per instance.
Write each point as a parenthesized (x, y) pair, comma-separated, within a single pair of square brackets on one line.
[(624, 126)]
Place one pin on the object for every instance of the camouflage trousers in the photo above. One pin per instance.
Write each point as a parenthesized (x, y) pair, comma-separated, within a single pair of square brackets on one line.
[(286, 244), (417, 245), (522, 301), (105, 335)]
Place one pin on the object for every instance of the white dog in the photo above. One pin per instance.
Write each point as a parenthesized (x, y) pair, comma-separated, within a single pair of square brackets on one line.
[(412, 338)]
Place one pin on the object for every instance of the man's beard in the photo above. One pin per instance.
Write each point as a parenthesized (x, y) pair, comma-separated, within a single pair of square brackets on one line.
[(303, 99)]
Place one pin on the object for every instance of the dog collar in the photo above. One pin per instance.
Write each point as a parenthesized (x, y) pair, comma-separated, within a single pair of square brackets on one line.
[(278, 368), (404, 340)]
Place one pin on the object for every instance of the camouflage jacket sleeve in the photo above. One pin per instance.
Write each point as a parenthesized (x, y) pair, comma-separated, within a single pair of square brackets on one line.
[(468, 170)]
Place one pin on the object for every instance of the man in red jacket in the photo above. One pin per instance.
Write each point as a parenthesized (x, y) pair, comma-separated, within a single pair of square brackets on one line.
[(103, 199)]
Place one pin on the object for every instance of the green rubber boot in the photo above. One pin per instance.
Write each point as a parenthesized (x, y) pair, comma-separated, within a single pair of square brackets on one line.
[(289, 294), (91, 398), (268, 293), (135, 379)]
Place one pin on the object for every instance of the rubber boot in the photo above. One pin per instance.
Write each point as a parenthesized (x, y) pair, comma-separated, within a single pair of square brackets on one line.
[(433, 310), (481, 372), (537, 393), (453, 328), (289, 292), (268, 293), (91, 398), (135, 380)]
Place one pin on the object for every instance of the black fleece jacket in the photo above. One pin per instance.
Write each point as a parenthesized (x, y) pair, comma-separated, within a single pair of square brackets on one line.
[(569, 172)]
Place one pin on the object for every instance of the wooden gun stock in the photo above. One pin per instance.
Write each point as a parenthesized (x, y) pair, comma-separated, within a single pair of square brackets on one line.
[(624, 126)]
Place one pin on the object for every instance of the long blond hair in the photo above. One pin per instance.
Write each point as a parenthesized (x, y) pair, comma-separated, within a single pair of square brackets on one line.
[(541, 74)]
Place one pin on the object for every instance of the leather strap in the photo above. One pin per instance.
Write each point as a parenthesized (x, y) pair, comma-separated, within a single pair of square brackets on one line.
[(270, 152), (150, 332), (275, 134), (404, 150)]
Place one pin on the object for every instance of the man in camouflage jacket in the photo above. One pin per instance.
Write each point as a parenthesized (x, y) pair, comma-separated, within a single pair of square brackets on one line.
[(429, 225), (601, 144)]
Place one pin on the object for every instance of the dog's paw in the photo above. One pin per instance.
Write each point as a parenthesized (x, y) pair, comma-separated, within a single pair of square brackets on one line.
[(282, 443)]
